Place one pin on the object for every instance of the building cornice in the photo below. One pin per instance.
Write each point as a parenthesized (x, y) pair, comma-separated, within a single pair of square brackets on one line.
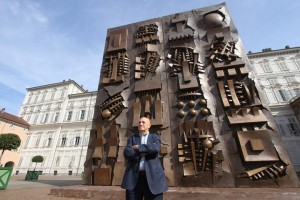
[(63, 83), (274, 53), (278, 74), (35, 127), (86, 94)]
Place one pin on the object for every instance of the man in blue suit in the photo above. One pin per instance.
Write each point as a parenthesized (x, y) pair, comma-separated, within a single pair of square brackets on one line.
[(144, 175)]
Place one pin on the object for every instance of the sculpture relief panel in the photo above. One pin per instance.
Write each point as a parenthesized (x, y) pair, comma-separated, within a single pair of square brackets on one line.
[(188, 73)]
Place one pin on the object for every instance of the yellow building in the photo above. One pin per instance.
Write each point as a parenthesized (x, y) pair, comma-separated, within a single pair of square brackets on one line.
[(12, 124)]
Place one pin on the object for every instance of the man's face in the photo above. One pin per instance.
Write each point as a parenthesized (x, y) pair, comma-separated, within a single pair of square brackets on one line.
[(144, 125)]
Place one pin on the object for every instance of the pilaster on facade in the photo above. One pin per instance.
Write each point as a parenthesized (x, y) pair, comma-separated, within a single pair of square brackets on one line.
[(60, 115)]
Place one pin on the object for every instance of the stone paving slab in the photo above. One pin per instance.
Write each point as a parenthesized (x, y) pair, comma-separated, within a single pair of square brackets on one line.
[(69, 187), (19, 189), (181, 193)]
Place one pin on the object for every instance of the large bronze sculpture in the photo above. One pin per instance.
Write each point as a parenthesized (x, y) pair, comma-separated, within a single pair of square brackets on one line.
[(189, 74)]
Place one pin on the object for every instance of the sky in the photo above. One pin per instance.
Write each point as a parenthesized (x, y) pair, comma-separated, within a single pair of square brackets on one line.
[(48, 41)]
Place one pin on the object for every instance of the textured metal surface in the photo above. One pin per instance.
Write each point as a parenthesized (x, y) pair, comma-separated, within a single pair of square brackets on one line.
[(188, 73), (257, 146)]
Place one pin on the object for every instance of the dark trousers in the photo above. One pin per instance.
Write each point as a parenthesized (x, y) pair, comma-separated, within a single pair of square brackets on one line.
[(142, 190)]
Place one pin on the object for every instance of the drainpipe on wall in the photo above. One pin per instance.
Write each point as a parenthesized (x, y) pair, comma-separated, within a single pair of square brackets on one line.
[(82, 144), (59, 131)]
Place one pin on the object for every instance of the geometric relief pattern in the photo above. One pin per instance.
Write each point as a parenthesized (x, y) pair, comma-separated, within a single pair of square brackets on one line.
[(244, 112), (196, 150), (188, 74)]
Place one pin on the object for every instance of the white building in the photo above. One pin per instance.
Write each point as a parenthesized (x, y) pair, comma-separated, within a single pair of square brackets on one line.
[(278, 72), (60, 116)]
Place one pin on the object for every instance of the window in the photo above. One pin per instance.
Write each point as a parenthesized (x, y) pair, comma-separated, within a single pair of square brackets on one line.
[(20, 162), (29, 99), (58, 106), (28, 118), (36, 98), (77, 140), (35, 119), (62, 94), (24, 109), (290, 79), (82, 114), (293, 126), (283, 95), (57, 162), (43, 97), (31, 108), (52, 95), (56, 115), (69, 116), (297, 62), (297, 91), (282, 65), (63, 140), (27, 141), (46, 118), (281, 130), (266, 67), (37, 142), (273, 81), (49, 142)]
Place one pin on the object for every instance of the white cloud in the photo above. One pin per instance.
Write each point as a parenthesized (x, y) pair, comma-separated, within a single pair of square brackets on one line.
[(26, 12), (36, 53)]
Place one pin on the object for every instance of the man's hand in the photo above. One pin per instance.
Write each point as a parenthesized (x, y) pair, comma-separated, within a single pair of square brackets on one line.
[(135, 147)]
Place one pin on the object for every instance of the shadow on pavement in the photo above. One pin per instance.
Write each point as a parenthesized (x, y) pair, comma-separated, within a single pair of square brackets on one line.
[(59, 182)]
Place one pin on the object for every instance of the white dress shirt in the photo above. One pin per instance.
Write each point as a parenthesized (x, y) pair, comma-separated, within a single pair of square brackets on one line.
[(144, 139)]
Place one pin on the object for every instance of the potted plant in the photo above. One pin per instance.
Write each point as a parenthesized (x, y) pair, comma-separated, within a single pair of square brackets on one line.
[(34, 175)]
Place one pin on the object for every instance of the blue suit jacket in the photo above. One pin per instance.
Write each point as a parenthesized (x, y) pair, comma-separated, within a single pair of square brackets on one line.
[(154, 171)]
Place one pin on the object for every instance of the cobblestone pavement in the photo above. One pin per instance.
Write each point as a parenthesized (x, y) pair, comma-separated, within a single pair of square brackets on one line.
[(20, 189)]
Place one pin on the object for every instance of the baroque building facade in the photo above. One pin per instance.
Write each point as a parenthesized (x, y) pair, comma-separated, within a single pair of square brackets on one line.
[(60, 115), (278, 73)]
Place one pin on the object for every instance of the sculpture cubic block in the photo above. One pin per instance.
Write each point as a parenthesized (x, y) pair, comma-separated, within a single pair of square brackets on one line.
[(188, 73)]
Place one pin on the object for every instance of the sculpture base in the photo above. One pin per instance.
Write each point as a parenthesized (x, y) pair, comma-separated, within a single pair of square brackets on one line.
[(174, 193)]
